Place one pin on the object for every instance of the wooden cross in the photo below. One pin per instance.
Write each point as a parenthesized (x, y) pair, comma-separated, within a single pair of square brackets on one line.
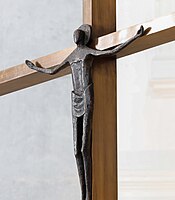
[(101, 14)]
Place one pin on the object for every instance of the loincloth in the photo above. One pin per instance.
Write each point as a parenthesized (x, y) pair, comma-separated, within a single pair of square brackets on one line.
[(81, 103)]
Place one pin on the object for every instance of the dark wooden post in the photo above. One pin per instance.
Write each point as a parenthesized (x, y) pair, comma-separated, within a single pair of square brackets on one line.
[(101, 14)]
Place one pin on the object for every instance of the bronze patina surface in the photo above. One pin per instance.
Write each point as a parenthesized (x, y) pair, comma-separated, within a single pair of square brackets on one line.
[(81, 60)]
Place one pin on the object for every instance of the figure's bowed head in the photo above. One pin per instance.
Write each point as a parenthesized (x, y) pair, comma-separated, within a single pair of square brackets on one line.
[(82, 35)]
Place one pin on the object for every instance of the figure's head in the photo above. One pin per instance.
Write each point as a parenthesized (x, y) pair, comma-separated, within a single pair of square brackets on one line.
[(82, 35)]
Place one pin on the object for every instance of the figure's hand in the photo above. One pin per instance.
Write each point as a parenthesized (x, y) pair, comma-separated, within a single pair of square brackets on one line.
[(141, 31), (38, 67), (30, 64)]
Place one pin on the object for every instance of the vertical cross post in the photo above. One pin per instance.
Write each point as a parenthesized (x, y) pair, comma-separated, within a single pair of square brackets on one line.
[(101, 14)]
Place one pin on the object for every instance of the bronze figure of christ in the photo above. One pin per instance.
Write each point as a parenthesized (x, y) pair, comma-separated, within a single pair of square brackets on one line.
[(81, 60)]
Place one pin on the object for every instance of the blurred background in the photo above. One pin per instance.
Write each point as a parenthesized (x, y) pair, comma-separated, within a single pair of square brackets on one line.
[(146, 110), (36, 148)]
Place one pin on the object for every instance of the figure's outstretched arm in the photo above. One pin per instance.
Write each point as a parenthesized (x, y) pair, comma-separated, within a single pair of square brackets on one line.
[(52, 70), (139, 33)]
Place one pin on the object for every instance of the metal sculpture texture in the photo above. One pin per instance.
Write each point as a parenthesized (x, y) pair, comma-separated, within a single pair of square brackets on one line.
[(81, 60)]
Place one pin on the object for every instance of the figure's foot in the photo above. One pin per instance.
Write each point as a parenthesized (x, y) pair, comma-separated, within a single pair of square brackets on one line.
[(141, 31)]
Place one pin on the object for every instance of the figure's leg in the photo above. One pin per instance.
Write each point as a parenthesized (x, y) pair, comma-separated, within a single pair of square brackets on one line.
[(77, 137), (86, 151)]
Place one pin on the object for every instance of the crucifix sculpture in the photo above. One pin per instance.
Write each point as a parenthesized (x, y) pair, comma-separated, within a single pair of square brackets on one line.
[(81, 60), (101, 15)]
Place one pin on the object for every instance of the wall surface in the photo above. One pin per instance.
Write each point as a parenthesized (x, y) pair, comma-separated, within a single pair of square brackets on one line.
[(36, 148)]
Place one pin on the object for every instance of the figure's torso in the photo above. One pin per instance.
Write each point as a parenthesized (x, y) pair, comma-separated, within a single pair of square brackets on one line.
[(81, 74)]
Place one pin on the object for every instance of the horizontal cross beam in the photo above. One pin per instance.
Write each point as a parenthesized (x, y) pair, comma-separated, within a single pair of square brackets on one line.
[(162, 30)]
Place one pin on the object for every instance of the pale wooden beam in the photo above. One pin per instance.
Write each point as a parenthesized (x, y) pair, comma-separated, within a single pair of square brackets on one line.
[(162, 31), (101, 14), (20, 76)]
